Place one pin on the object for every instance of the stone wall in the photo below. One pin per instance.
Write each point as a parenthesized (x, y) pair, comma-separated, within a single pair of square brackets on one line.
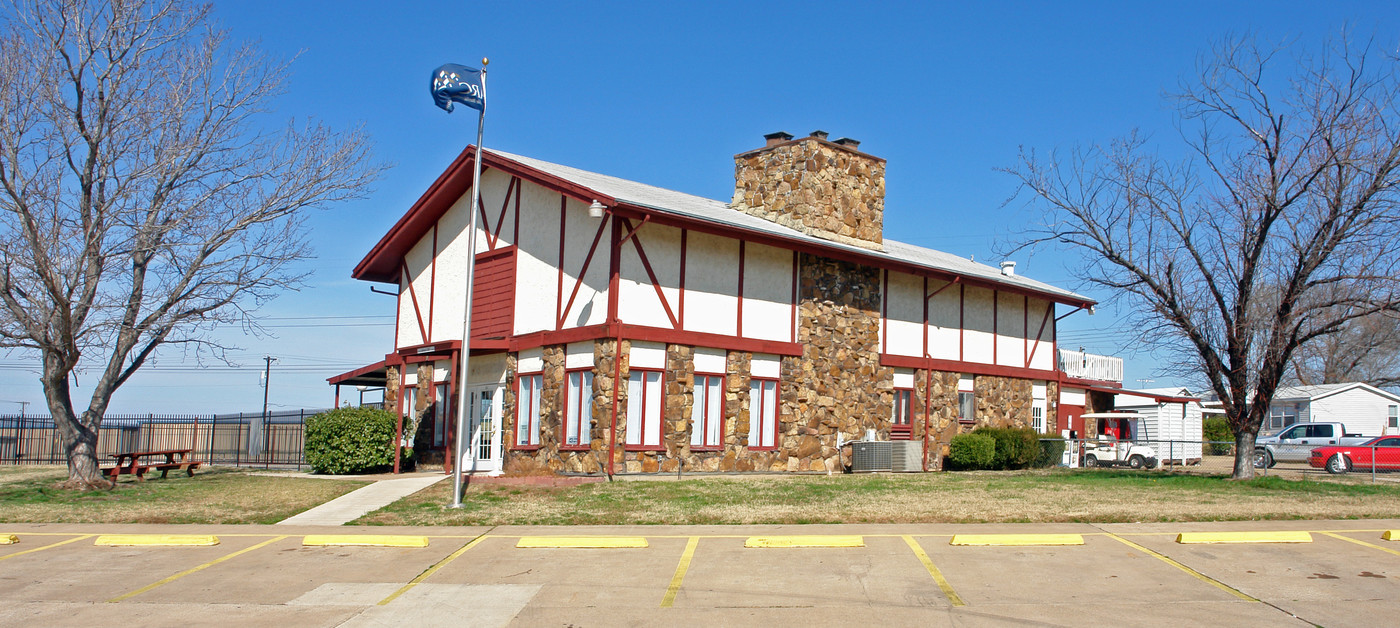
[(837, 385), (1003, 401), (818, 187)]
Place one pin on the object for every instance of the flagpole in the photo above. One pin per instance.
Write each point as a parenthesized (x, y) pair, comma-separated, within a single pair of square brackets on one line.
[(467, 313)]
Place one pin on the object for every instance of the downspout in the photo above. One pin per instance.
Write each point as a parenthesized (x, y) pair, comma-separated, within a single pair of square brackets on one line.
[(928, 388)]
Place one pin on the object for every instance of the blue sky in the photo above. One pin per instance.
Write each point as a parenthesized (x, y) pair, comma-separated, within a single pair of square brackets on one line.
[(666, 93)]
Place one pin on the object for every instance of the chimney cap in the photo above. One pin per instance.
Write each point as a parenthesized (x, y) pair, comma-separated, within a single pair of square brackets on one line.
[(819, 134), (777, 137), (846, 141)]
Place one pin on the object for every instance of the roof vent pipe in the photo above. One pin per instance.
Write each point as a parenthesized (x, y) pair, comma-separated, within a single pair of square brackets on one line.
[(1008, 268)]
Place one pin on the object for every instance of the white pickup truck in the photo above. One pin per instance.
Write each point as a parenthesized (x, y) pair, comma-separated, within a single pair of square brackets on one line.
[(1293, 443)]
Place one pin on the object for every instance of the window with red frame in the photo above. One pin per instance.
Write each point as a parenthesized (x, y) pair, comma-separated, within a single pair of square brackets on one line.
[(707, 412), (645, 390), (527, 410), (763, 413), (903, 419), (578, 409)]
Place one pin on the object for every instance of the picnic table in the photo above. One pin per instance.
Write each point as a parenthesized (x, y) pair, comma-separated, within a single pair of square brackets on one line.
[(132, 462)]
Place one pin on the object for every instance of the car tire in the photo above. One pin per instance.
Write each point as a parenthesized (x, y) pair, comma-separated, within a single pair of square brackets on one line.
[(1090, 462), (1136, 462), (1262, 459), (1337, 465)]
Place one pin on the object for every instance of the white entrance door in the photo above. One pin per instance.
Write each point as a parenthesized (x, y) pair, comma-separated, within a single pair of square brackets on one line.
[(483, 429)]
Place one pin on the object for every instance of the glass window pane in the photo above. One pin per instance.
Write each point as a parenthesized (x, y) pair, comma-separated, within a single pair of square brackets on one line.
[(653, 410), (634, 408), (697, 414), (755, 413), (770, 413)]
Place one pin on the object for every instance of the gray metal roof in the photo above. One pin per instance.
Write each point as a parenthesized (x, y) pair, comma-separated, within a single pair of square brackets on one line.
[(720, 212)]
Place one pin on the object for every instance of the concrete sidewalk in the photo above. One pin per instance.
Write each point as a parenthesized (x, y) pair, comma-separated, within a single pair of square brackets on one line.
[(356, 504)]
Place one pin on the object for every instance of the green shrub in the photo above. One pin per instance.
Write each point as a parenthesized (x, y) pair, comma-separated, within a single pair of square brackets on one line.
[(1016, 448), (350, 440), (971, 451), (1217, 430), (1052, 451)]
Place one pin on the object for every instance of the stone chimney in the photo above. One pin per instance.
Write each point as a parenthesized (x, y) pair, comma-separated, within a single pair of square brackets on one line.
[(825, 189)]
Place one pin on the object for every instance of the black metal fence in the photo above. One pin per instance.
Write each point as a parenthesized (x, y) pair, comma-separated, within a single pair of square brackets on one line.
[(243, 439)]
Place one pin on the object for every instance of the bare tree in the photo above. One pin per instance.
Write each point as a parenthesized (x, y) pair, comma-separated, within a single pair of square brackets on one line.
[(141, 202), (1277, 229), (1367, 350)]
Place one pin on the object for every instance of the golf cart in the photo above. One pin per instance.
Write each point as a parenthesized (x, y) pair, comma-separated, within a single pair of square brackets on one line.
[(1117, 443)]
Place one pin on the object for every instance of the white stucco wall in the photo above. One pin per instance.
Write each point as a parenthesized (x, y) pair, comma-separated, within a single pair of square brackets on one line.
[(1011, 330), (904, 324), (943, 320), (711, 283), (767, 293), (638, 302), (977, 318)]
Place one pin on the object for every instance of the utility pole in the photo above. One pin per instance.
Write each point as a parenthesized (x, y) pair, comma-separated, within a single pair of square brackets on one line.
[(255, 431), (267, 383)]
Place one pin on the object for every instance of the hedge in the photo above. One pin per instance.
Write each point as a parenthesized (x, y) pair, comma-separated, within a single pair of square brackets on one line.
[(971, 451), (1217, 431), (1016, 448), (350, 440)]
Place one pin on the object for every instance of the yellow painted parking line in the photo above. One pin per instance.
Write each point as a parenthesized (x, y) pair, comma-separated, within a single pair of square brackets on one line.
[(40, 549), (681, 568), (195, 569), (1192, 572), (432, 570), (363, 540), (1391, 535), (587, 542), (1293, 536), (1017, 540), (156, 540), (1359, 542), (8, 539), (953, 597), (806, 540)]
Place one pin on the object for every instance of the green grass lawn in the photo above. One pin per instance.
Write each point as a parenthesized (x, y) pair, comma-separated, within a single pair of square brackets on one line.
[(1023, 496), (30, 494)]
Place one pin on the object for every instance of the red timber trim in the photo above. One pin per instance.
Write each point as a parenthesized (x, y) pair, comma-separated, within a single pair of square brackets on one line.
[(739, 316), (652, 334), (680, 305), (408, 279), (378, 264), (559, 295), (495, 234), (1026, 331), (925, 330), (614, 267), (1093, 384), (563, 312), (404, 355), (515, 221), (432, 280), (357, 372), (832, 252), (968, 368), (661, 420), (1049, 315), (655, 283), (796, 261)]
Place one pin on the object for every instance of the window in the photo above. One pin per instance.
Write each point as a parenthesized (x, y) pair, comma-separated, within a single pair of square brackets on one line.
[(1038, 405), (644, 391), (763, 413), (440, 406), (901, 424), (578, 409), (967, 406), (1281, 417), (1394, 416), (527, 410), (707, 413)]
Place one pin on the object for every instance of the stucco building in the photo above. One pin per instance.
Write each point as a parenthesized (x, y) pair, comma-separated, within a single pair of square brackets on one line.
[(663, 330)]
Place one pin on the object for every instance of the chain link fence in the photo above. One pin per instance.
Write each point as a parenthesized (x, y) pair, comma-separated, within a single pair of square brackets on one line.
[(1375, 461), (244, 439)]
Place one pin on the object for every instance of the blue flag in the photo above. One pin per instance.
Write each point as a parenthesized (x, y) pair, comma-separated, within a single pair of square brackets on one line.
[(458, 83)]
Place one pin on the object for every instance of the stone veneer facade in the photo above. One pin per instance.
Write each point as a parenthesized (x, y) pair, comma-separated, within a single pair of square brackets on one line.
[(821, 188)]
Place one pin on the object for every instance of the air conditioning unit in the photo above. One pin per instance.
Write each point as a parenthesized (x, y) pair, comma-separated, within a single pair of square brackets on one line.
[(870, 455), (907, 456)]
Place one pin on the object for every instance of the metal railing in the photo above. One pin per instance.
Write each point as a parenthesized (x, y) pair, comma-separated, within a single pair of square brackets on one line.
[(1090, 366), (226, 439)]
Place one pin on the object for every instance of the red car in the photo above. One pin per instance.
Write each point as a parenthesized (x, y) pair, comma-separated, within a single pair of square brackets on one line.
[(1344, 458)]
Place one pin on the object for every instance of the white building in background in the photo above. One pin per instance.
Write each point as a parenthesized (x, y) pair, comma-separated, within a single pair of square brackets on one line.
[(1171, 420), (1362, 408)]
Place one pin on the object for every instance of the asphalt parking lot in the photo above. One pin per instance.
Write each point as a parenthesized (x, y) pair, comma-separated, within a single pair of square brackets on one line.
[(1121, 574)]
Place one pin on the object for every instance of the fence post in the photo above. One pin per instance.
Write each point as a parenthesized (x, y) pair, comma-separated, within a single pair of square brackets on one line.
[(1373, 464)]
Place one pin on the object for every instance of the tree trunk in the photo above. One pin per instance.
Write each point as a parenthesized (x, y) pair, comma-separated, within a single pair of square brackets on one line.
[(83, 473), (1244, 456)]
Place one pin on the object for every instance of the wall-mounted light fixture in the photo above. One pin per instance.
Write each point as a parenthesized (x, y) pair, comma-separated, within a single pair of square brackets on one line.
[(596, 210)]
